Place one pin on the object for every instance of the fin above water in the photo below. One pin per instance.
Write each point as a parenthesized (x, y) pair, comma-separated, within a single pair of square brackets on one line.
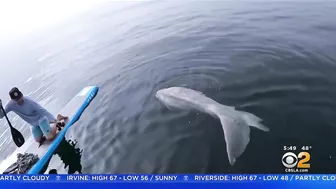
[(237, 136), (254, 121)]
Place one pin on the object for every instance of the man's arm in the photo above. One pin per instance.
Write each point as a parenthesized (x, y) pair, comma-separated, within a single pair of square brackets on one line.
[(42, 111), (7, 109)]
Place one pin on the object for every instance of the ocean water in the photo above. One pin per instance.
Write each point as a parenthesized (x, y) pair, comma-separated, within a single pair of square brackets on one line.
[(275, 59)]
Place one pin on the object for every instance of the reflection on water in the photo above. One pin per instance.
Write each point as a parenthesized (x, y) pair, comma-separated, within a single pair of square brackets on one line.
[(70, 157)]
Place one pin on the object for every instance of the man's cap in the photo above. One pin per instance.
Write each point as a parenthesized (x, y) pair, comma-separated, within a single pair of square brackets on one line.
[(15, 93)]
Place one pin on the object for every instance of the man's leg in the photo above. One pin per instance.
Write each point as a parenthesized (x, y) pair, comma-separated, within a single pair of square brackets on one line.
[(61, 117), (50, 133), (48, 130), (37, 133), (61, 121)]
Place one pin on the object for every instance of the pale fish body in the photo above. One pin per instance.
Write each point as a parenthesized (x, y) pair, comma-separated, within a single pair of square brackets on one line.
[(235, 123)]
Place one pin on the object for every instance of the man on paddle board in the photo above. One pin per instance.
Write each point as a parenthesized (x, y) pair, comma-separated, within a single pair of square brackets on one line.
[(33, 113)]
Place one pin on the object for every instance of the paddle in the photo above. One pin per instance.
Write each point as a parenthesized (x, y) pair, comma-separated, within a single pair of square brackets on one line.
[(16, 135)]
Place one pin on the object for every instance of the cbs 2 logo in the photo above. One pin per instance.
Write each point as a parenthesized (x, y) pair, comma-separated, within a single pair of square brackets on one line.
[(290, 160)]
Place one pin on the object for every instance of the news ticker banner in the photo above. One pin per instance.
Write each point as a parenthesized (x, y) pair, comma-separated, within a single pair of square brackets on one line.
[(178, 178)]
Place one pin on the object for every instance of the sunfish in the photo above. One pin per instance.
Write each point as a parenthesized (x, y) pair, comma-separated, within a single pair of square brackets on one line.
[(235, 123)]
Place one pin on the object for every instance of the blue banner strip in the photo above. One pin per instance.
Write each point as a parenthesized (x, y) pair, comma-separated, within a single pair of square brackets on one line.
[(170, 178)]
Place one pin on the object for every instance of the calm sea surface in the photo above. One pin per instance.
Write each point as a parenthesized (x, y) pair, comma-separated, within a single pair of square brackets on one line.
[(276, 60)]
